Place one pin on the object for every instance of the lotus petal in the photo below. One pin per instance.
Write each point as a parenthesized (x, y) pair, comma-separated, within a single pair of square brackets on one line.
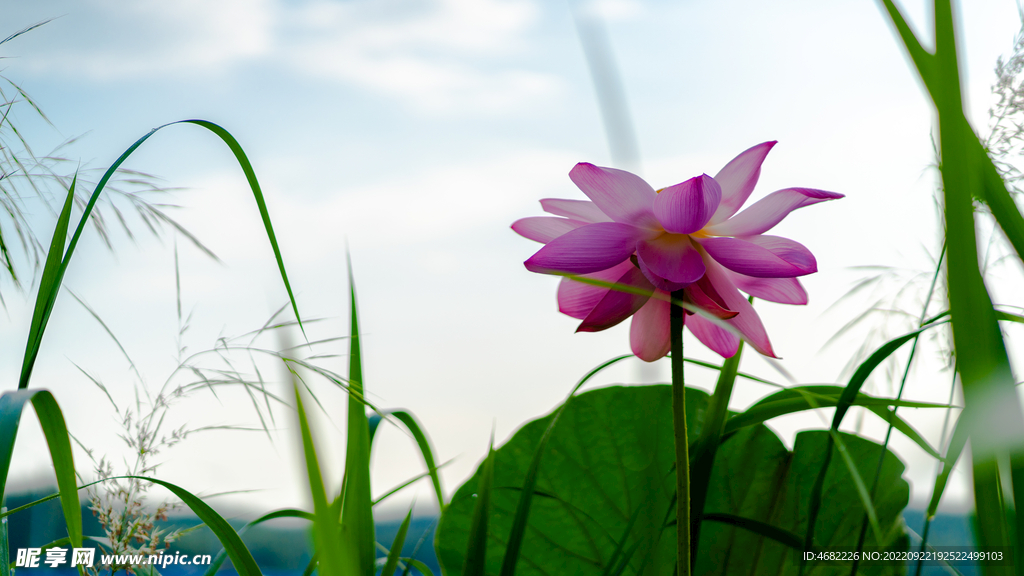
[(747, 322), (623, 196), (704, 296), (670, 261), (649, 332), (738, 179), (582, 210), (587, 249), (544, 229), (720, 340), (761, 256), (577, 299), (617, 305), (781, 290), (764, 214), (686, 207)]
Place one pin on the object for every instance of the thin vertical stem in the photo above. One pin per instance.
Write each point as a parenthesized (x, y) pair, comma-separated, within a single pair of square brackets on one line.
[(682, 446)]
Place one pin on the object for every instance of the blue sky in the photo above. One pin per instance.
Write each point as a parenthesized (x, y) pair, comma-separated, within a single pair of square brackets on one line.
[(414, 133)]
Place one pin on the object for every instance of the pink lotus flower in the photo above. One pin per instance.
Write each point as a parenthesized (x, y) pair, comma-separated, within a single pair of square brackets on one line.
[(685, 237)]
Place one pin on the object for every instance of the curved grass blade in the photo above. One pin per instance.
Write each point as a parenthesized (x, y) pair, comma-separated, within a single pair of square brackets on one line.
[(738, 374), (801, 398), (51, 420), (476, 548), (515, 539), (408, 482), (422, 442), (423, 568), (852, 389), (241, 558), (250, 176), (7, 512), (903, 426), (396, 547), (218, 560), (48, 290), (775, 533), (849, 395)]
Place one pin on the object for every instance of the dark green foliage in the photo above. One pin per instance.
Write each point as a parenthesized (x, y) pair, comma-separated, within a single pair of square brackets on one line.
[(608, 472)]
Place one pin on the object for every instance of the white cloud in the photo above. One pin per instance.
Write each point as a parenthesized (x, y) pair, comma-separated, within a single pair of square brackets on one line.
[(442, 56), (614, 9), (430, 56), (400, 209), (115, 39)]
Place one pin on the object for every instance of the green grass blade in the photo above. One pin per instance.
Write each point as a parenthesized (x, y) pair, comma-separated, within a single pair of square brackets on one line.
[(51, 420), (50, 277), (903, 426), (426, 450), (515, 540), (998, 198), (626, 558), (922, 59), (408, 483), (250, 176), (866, 367), (422, 442), (314, 563), (707, 443), (241, 558), (357, 503), (5, 547), (738, 374), (775, 533), (47, 297), (956, 446), (862, 488), (615, 564), (799, 398), (815, 500), (218, 560), (24, 30), (476, 549), (411, 562), (396, 547), (423, 568), (982, 361), (338, 556)]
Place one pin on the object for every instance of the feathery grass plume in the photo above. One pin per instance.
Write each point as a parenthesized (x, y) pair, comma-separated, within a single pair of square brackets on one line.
[(27, 177), (120, 500), (1005, 141)]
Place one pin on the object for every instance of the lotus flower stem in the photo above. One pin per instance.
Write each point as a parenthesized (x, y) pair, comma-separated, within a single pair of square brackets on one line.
[(682, 446)]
